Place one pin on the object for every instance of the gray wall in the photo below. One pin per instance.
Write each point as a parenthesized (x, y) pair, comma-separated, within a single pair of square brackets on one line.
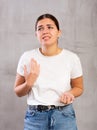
[(78, 21)]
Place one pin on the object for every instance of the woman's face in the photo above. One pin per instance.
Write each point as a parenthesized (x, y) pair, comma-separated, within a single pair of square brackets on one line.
[(47, 32)]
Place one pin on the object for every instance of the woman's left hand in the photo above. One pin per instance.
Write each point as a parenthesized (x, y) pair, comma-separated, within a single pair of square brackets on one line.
[(67, 98)]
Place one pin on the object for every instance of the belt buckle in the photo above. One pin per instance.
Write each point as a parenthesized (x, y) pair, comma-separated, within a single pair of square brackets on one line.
[(39, 108), (42, 108), (49, 107)]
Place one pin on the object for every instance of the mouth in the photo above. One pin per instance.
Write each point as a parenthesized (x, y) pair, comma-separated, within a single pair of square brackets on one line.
[(46, 37)]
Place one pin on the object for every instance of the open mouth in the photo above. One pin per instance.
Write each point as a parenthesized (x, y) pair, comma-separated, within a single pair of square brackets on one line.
[(46, 37)]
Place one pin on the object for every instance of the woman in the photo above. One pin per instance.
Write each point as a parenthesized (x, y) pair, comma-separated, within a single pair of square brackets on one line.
[(52, 79)]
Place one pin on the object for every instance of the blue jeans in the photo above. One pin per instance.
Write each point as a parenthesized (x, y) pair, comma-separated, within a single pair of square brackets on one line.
[(56, 119)]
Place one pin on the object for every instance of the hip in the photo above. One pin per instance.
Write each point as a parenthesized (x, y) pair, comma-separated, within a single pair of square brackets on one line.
[(58, 118)]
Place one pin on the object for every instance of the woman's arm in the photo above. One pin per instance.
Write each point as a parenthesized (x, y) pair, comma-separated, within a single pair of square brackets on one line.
[(23, 84), (77, 86), (75, 91), (20, 87)]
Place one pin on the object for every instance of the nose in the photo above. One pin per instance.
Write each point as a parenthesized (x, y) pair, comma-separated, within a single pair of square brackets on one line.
[(45, 30)]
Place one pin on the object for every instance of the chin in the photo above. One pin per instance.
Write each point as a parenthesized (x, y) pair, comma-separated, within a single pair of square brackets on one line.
[(46, 44)]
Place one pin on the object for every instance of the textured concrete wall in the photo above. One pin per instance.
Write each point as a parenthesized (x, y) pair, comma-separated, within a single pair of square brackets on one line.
[(78, 21)]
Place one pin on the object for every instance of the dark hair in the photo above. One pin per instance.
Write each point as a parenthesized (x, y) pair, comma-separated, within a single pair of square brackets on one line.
[(47, 16)]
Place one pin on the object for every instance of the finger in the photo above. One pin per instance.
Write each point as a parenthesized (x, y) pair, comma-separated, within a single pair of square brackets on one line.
[(34, 61), (33, 65), (63, 99), (38, 68), (25, 71), (68, 99), (72, 99)]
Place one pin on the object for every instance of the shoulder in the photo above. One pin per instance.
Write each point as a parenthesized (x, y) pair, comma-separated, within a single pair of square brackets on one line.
[(27, 55), (69, 54), (30, 53)]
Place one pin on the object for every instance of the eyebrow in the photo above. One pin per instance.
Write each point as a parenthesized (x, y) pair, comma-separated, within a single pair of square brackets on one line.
[(46, 25)]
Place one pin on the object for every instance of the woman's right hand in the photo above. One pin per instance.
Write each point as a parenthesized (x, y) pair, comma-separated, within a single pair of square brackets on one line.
[(31, 77)]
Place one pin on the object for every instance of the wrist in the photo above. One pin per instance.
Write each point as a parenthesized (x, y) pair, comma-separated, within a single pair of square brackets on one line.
[(28, 85)]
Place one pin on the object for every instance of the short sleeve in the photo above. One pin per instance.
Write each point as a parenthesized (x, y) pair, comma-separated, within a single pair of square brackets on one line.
[(20, 66), (76, 67)]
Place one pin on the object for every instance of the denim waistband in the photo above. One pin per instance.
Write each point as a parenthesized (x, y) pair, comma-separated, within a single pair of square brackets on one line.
[(44, 108)]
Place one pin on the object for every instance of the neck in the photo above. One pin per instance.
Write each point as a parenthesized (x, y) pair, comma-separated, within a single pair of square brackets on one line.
[(50, 51)]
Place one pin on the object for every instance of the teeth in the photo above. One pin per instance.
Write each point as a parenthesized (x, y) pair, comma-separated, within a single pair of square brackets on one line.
[(46, 37)]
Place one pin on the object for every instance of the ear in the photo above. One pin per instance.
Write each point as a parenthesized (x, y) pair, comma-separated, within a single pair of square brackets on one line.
[(59, 34), (36, 34)]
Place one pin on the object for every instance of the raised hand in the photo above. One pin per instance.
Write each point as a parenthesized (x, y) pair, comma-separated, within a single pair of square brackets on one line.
[(33, 74)]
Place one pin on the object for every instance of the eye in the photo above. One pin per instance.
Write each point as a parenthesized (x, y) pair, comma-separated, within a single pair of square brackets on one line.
[(50, 27), (40, 28)]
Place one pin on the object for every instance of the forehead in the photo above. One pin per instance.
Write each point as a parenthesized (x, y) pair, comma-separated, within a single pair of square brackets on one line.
[(45, 21)]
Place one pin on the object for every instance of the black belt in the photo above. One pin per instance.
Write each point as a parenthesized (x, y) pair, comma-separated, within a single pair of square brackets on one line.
[(44, 108)]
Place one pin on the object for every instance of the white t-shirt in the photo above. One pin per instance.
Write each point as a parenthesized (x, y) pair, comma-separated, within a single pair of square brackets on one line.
[(54, 78)]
